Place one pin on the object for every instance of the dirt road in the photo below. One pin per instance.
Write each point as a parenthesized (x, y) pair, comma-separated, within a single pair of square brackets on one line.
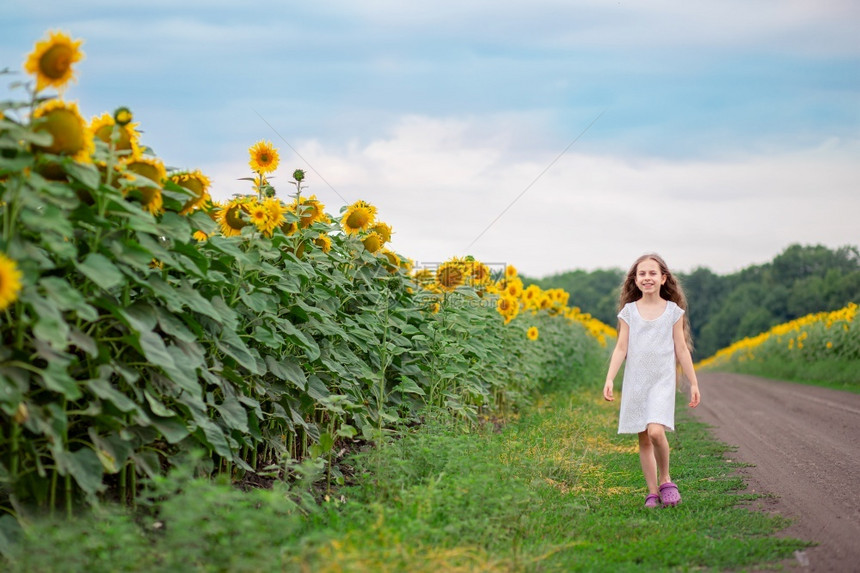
[(805, 444)]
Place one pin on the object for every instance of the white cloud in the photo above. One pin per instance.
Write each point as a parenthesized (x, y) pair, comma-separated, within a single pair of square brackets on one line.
[(440, 183)]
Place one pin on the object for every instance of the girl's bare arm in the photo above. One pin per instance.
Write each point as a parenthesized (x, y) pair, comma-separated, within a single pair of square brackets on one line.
[(618, 356), (682, 353)]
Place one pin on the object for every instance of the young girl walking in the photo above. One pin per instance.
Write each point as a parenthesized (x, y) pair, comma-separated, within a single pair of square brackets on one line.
[(653, 334)]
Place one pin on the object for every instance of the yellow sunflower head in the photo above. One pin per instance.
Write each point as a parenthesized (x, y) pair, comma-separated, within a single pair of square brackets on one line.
[(508, 307), (128, 142), (393, 263), (514, 288), (423, 277), (264, 157), (259, 215), (51, 61), (195, 183), (531, 296), (70, 133), (384, 230), (372, 242), (479, 273), (450, 275), (510, 272), (323, 242), (10, 281), (200, 236), (532, 333), (152, 169), (310, 210), (231, 218), (276, 211), (358, 217)]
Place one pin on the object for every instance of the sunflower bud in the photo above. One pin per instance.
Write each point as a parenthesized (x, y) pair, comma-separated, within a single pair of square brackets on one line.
[(299, 175), (122, 116)]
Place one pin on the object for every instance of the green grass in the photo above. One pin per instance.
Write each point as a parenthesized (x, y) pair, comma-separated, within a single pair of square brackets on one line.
[(837, 374), (554, 490)]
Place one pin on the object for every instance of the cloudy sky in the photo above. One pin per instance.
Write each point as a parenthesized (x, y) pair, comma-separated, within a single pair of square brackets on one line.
[(714, 132)]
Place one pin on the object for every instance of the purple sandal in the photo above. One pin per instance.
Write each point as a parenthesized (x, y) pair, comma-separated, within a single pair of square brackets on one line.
[(651, 500), (669, 494)]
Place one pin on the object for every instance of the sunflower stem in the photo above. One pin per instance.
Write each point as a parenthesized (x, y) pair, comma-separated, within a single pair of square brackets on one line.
[(68, 491), (53, 492), (123, 489)]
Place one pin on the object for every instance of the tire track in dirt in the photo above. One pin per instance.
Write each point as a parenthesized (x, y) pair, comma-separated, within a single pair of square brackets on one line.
[(805, 444)]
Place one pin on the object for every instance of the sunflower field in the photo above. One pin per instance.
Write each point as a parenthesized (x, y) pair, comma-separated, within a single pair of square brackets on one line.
[(142, 322), (818, 347)]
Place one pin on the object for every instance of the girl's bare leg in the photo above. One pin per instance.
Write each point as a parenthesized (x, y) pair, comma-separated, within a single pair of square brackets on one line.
[(657, 437), (648, 461)]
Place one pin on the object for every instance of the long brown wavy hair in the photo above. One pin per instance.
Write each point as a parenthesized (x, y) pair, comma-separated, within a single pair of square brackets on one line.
[(669, 290)]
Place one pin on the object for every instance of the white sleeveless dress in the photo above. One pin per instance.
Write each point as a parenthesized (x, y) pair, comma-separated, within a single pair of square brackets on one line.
[(648, 387)]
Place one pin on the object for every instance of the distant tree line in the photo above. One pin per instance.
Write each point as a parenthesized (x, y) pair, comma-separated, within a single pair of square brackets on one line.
[(726, 308)]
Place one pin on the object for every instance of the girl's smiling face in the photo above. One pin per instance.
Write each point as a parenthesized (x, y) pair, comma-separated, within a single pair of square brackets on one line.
[(649, 279)]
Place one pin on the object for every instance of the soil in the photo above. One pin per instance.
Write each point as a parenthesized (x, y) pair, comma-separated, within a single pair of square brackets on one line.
[(804, 442)]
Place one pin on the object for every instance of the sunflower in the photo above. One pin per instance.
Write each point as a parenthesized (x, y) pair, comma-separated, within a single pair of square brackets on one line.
[(51, 61), (150, 191), (531, 296), (276, 211), (230, 218), (70, 133), (197, 184), (450, 274), (122, 116), (508, 307), (259, 215), (372, 242), (384, 230), (532, 333), (264, 157), (323, 242), (358, 217), (510, 272), (10, 281), (310, 210), (423, 277), (393, 260), (128, 143), (514, 288), (545, 302), (200, 236), (479, 273)]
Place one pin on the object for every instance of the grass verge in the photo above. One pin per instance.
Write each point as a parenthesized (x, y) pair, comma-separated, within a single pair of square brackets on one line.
[(836, 374), (553, 490)]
